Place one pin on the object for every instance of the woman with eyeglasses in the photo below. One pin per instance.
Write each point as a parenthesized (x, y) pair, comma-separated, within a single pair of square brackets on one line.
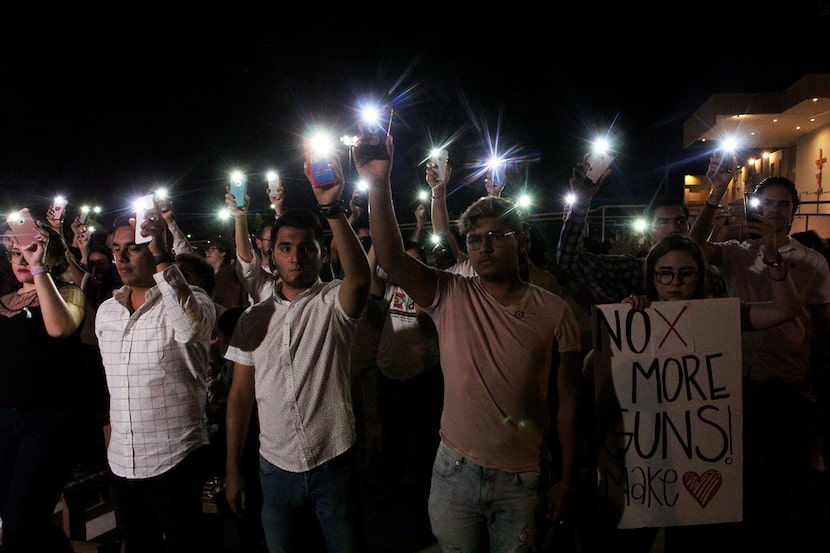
[(41, 393), (673, 269)]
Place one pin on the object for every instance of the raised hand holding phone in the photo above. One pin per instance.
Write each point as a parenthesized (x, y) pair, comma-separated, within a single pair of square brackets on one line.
[(319, 154), (142, 206), (371, 144), (23, 228)]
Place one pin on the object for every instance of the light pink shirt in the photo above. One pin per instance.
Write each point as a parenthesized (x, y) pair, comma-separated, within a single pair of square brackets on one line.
[(496, 361)]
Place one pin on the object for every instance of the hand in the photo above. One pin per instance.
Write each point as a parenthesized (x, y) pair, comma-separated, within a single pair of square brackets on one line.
[(720, 172), (35, 253), (330, 193), (420, 214), (765, 231), (54, 222), (76, 226), (433, 180), (637, 302), (583, 186), (230, 203), (235, 492), (153, 227), (277, 198), (375, 170), (167, 213), (492, 188)]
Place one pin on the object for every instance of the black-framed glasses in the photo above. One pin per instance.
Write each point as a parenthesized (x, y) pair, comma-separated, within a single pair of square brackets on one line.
[(684, 276), (474, 241), (14, 255)]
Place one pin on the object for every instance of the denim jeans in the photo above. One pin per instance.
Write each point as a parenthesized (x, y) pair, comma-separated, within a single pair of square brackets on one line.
[(473, 509), (330, 491), (166, 509), (38, 450)]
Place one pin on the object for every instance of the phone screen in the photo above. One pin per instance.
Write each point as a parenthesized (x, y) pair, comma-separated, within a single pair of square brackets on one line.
[(321, 173), (752, 208), (23, 228), (440, 159)]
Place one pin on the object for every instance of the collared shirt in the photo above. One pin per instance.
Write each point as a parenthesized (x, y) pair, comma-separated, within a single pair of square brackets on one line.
[(612, 276), (156, 361), (782, 351), (257, 281), (300, 351)]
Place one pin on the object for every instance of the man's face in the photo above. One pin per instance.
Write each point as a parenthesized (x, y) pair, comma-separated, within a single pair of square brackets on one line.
[(668, 219), (493, 248), (134, 261), (777, 207), (262, 242), (296, 257)]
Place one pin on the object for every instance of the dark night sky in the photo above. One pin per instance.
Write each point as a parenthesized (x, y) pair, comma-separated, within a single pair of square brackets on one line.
[(102, 104)]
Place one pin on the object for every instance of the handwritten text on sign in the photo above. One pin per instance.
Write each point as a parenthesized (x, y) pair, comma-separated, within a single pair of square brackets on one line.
[(668, 396)]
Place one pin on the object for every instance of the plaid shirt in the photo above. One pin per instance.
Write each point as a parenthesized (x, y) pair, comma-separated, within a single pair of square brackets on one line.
[(612, 276)]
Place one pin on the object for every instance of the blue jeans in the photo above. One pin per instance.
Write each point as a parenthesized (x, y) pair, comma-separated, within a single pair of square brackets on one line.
[(329, 491), (38, 450), (473, 509), (163, 513)]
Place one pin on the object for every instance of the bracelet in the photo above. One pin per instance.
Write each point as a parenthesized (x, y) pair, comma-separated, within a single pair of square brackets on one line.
[(39, 270), (163, 258), (332, 210), (774, 264)]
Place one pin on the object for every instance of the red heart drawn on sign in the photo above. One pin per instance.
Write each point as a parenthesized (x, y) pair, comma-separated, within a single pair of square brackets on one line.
[(704, 487)]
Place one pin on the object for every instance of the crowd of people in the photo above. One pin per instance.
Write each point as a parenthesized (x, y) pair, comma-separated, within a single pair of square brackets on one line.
[(303, 373)]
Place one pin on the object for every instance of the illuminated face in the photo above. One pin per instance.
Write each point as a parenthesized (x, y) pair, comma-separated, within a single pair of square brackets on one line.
[(297, 257), (675, 276), (493, 248), (776, 205), (134, 261), (668, 219)]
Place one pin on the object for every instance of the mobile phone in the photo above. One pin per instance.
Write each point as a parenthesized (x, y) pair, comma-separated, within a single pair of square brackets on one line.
[(84, 214), (372, 143), (318, 162), (59, 206), (23, 228), (274, 184), (142, 205), (752, 210), (599, 162), (239, 187), (440, 159)]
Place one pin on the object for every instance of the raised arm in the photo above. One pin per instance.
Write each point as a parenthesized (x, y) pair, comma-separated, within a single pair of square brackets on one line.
[(357, 278), (438, 210), (719, 173), (417, 279)]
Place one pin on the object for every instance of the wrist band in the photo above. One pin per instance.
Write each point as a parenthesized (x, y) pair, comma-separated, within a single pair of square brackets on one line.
[(163, 258), (39, 270), (334, 209)]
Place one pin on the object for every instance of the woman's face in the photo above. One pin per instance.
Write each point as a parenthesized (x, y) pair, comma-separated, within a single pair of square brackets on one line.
[(675, 276)]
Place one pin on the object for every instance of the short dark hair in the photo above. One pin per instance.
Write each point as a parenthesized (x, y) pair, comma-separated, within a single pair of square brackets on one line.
[(664, 200), (301, 218), (782, 182), (491, 206)]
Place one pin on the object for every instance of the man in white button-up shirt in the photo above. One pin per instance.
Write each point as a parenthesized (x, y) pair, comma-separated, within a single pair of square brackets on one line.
[(154, 335), (291, 355)]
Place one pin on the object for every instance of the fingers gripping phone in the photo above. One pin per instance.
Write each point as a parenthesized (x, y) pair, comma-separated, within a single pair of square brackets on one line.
[(372, 143), (59, 206), (142, 205), (23, 228), (440, 159)]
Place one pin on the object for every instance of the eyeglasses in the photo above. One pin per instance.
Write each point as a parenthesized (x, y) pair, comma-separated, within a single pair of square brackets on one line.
[(684, 277), (474, 241), (14, 255)]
